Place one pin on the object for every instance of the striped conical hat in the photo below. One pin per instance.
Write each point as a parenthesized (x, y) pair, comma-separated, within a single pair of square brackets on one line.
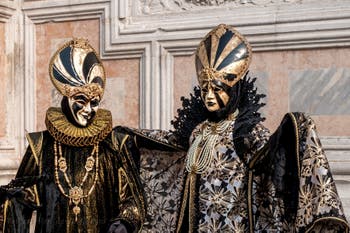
[(77, 68), (224, 54)]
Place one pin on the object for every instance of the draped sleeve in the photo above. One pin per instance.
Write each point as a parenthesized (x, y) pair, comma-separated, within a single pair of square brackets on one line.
[(132, 204), (161, 171), (22, 196), (293, 182)]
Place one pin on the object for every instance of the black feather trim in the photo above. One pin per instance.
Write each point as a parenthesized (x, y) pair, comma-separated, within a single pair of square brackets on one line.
[(188, 117), (194, 112)]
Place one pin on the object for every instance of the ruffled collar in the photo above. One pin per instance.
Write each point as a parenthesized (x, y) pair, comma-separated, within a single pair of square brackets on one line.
[(67, 133)]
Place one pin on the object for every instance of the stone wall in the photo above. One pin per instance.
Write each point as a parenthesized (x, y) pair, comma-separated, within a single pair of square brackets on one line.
[(300, 58)]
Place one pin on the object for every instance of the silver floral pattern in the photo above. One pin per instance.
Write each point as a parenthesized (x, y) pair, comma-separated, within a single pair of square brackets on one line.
[(223, 189), (161, 174)]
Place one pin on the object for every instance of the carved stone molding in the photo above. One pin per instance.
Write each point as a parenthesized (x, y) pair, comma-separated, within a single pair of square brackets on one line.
[(10, 146), (7, 9), (146, 7), (273, 26)]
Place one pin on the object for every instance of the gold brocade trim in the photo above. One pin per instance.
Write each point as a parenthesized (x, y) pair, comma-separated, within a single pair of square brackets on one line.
[(138, 197), (328, 218), (36, 195), (192, 211), (296, 141), (122, 186), (35, 147), (91, 90), (250, 207), (67, 133), (5, 214), (183, 204)]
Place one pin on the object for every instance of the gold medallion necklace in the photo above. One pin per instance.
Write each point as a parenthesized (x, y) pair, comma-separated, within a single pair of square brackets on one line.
[(76, 193)]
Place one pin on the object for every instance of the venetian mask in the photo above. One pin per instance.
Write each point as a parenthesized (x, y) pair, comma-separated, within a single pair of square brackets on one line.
[(77, 73), (215, 95), (83, 109), (222, 59)]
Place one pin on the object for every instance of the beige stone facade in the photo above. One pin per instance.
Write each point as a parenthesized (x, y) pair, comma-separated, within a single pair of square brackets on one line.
[(301, 50)]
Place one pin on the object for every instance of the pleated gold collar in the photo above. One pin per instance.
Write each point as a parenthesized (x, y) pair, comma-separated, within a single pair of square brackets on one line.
[(67, 133)]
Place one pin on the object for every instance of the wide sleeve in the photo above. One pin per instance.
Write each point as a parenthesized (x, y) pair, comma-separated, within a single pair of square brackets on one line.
[(319, 206), (296, 180), (22, 197), (161, 171), (130, 192), (153, 139)]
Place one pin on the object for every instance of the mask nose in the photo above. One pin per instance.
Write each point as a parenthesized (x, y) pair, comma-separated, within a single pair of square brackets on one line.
[(87, 108), (210, 95)]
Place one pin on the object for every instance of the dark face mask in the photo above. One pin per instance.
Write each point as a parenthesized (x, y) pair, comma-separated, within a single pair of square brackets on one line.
[(231, 106), (214, 95)]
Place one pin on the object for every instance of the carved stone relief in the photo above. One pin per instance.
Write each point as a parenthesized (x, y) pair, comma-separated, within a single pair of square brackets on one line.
[(147, 7)]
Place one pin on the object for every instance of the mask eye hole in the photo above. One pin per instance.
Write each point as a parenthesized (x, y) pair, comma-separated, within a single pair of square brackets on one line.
[(79, 100), (205, 90), (217, 89), (95, 102)]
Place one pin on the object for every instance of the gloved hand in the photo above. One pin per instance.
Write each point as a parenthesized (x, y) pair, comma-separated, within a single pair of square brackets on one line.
[(117, 227)]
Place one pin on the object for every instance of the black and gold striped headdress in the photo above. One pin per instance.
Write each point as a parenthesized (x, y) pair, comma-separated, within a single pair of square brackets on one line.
[(224, 54), (76, 68)]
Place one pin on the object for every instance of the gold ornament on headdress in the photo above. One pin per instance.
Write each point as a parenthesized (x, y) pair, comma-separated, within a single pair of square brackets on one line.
[(76, 68), (224, 54)]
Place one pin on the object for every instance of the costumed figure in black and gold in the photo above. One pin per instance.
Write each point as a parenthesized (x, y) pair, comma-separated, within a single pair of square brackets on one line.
[(80, 175), (237, 177)]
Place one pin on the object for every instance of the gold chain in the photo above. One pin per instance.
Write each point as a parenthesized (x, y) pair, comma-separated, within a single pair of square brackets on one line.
[(76, 193), (200, 154), (201, 151)]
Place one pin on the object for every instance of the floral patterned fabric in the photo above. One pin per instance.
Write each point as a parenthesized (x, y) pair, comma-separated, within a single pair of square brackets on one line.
[(280, 185), (222, 194), (317, 204), (223, 186), (161, 174)]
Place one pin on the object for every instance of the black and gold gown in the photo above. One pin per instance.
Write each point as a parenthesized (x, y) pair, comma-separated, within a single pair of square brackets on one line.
[(282, 183), (111, 188), (255, 182)]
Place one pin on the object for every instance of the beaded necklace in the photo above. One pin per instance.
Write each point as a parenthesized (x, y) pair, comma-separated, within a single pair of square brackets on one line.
[(200, 154), (76, 193)]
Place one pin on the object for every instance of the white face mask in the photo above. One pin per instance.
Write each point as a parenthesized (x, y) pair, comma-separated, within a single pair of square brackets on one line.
[(83, 109)]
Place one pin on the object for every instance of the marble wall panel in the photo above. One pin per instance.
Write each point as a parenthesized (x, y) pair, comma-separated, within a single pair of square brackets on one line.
[(185, 78), (270, 72), (122, 92), (320, 92), (3, 78), (295, 78)]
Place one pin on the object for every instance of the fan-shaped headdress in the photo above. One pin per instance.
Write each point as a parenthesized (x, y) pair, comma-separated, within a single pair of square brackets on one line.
[(224, 54), (76, 68)]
